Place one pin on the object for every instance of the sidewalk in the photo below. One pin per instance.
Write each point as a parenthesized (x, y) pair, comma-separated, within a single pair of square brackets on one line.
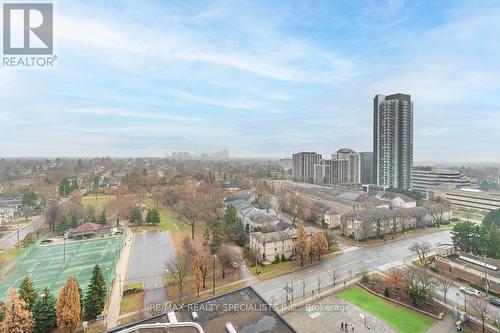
[(471, 318), (399, 236), (120, 276)]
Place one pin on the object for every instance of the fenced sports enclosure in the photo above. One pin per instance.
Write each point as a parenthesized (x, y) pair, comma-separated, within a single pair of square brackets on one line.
[(50, 265)]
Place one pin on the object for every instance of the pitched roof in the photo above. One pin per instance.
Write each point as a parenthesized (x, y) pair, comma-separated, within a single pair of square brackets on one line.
[(86, 228)]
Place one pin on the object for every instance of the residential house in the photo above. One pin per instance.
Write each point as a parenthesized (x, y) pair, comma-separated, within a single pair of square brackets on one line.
[(271, 245)]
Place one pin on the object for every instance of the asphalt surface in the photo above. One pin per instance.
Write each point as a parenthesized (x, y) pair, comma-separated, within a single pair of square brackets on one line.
[(11, 239), (380, 257), (151, 251)]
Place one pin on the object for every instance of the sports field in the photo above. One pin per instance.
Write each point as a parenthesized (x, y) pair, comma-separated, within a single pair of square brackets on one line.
[(50, 265)]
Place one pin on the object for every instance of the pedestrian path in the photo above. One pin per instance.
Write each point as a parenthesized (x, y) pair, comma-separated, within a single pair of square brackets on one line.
[(113, 313)]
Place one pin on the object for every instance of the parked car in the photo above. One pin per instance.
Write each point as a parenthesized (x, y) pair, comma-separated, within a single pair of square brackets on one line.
[(494, 301), (470, 291)]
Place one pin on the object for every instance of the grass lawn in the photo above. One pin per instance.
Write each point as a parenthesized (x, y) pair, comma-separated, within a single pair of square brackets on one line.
[(136, 285), (402, 319), (272, 270), (97, 202), (132, 302), (168, 222)]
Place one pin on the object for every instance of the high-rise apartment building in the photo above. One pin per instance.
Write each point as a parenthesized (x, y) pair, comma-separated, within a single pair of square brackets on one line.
[(393, 140), (366, 167), (303, 166), (353, 172)]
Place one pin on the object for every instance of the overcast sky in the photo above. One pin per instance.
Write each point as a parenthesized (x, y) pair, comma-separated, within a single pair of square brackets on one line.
[(145, 78)]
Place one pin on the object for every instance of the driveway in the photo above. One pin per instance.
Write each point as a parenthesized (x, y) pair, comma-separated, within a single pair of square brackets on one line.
[(151, 251)]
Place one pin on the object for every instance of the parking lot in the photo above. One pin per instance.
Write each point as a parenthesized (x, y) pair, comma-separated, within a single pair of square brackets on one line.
[(151, 252)]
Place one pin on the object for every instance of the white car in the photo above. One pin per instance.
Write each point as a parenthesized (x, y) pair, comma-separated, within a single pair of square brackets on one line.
[(470, 291)]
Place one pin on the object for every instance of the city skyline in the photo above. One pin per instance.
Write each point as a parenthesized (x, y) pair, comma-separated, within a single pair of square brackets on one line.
[(260, 81)]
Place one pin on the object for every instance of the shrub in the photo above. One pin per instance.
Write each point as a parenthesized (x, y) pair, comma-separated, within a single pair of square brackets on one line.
[(434, 269), (283, 257), (386, 292), (365, 278), (276, 259)]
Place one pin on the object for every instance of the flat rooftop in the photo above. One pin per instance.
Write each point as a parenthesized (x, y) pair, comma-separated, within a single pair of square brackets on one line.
[(496, 273), (246, 310)]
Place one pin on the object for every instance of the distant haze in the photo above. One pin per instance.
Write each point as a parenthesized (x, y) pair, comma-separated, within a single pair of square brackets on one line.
[(261, 79)]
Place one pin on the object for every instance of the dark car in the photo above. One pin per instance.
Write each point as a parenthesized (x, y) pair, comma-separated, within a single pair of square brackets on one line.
[(494, 301)]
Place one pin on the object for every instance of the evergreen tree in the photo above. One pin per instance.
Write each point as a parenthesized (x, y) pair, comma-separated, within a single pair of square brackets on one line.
[(68, 306), (243, 237), (96, 294), (493, 217), (17, 317), (136, 216), (102, 218), (231, 223), (153, 217), (218, 236), (74, 220), (44, 312), (61, 225), (2, 310), (27, 292)]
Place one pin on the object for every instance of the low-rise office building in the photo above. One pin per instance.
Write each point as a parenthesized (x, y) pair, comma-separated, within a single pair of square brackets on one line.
[(466, 198), (426, 177)]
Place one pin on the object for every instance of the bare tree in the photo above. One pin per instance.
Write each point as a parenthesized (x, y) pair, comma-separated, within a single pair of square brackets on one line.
[(395, 277), (437, 211), (191, 212), (52, 214), (422, 250), (204, 269), (302, 243), (212, 202), (319, 245), (266, 202), (331, 238), (179, 268), (480, 306), (419, 283), (444, 285), (495, 315), (227, 256), (334, 275)]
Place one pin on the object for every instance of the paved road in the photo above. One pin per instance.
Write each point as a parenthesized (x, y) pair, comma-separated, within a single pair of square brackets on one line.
[(11, 239), (382, 257), (462, 298), (151, 251), (36, 223)]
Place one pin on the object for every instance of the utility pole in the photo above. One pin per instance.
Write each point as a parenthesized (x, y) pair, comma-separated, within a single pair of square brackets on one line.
[(486, 284), (213, 290)]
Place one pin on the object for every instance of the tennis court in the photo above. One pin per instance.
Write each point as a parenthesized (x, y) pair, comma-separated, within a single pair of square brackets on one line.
[(50, 265)]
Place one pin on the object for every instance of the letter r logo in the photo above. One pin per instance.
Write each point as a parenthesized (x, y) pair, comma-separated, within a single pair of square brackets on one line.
[(28, 28)]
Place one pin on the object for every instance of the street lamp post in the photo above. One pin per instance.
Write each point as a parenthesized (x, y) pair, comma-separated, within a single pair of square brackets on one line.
[(107, 280), (213, 290)]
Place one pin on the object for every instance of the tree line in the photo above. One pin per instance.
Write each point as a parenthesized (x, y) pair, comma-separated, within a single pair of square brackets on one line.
[(26, 311)]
